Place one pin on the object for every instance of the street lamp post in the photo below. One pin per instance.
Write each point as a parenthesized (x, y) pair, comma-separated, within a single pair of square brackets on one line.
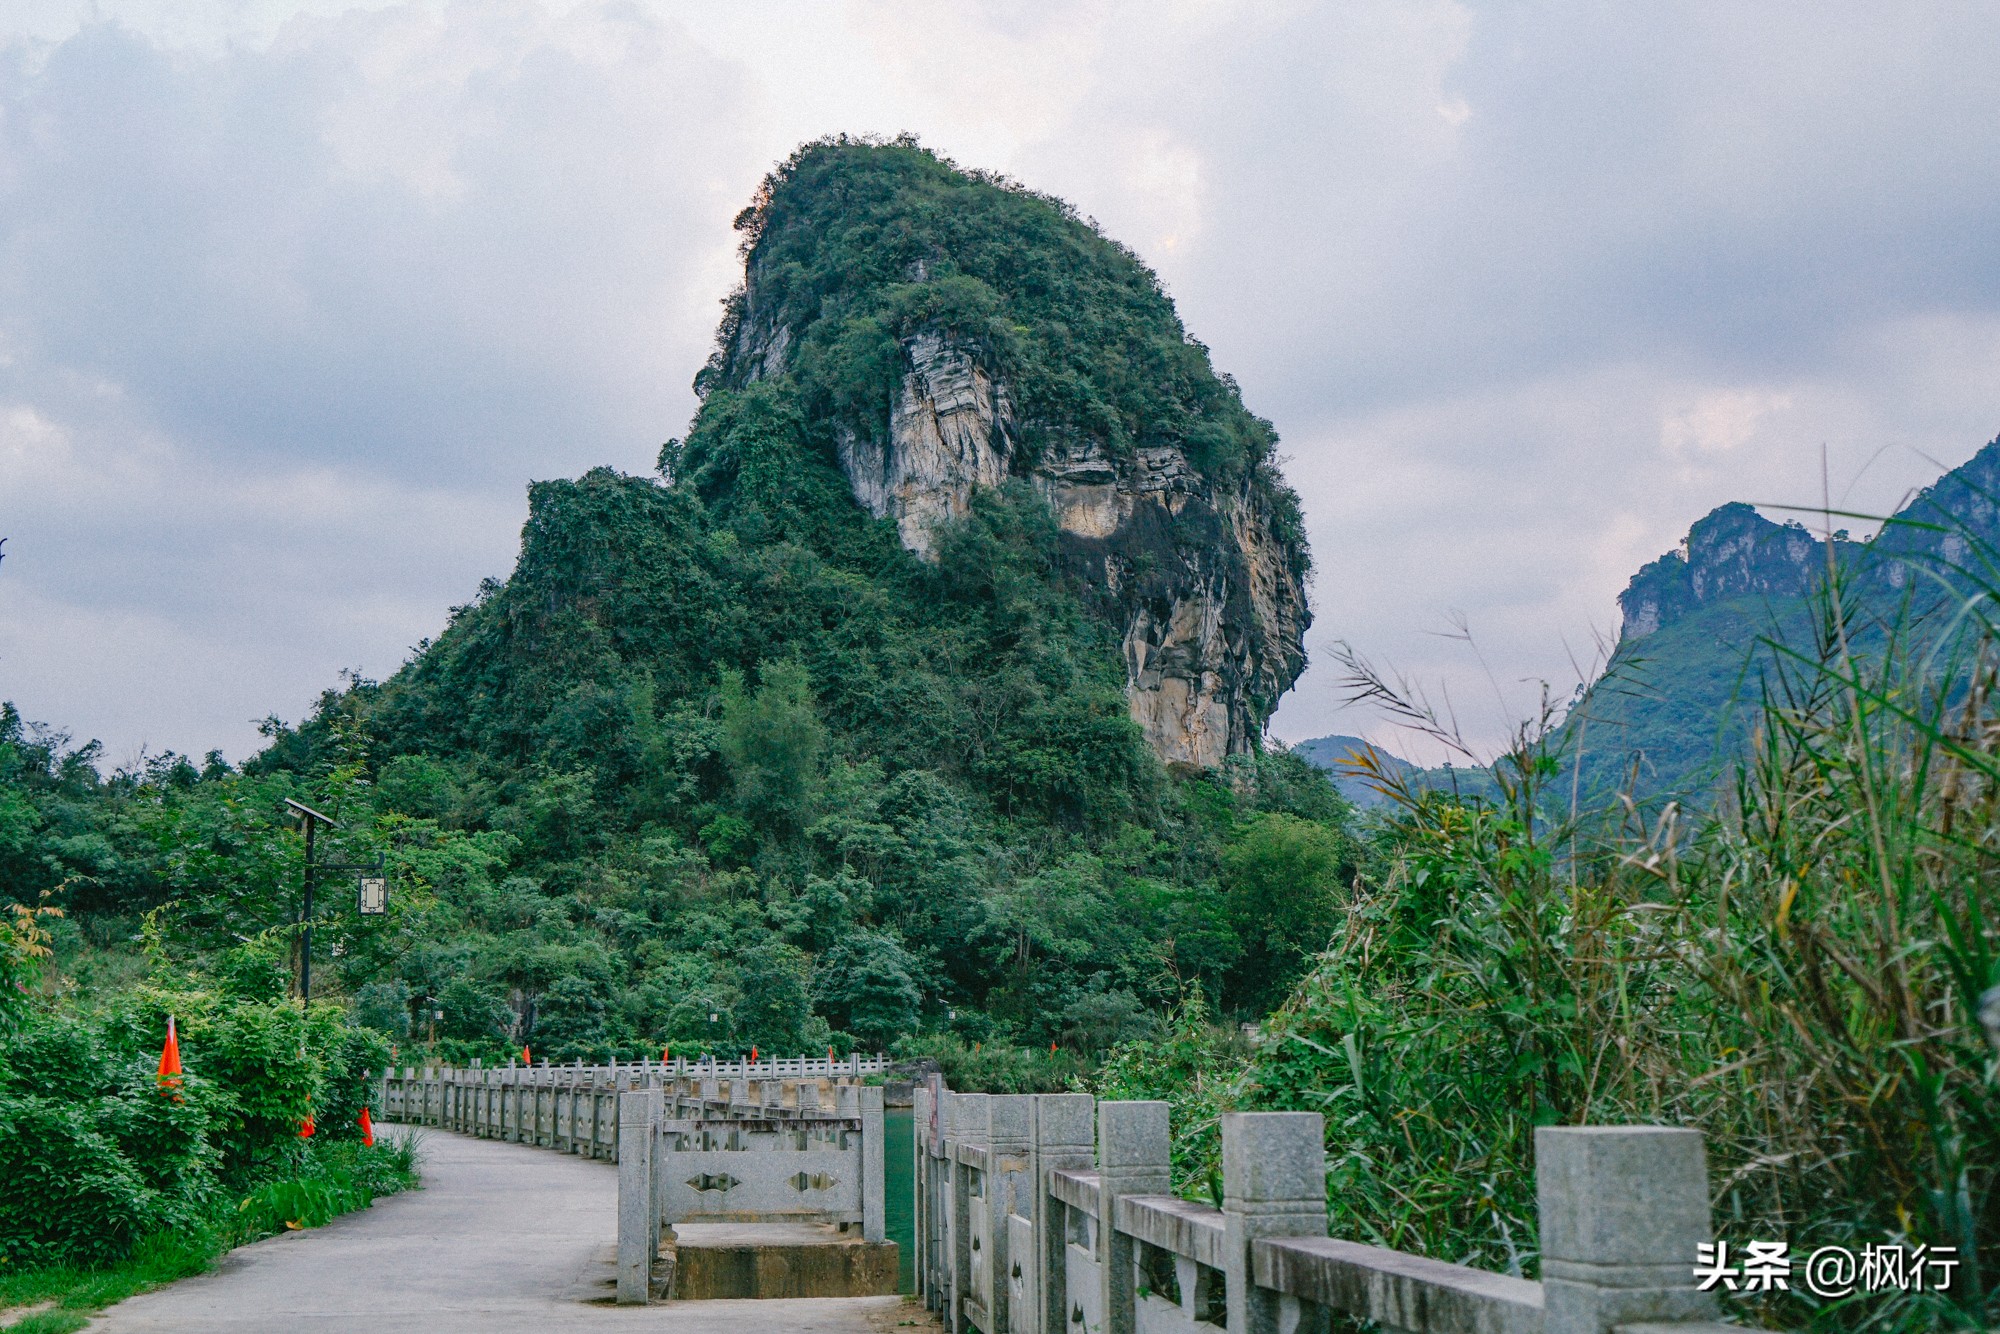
[(310, 818), (374, 890)]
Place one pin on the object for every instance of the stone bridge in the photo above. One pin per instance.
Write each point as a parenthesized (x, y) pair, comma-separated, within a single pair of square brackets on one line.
[(1030, 1214), (779, 1143)]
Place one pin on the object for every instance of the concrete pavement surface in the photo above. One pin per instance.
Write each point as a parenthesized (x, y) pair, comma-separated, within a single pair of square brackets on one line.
[(502, 1239)]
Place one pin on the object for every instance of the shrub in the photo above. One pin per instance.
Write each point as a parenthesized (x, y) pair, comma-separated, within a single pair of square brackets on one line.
[(95, 1155), (67, 1191), (984, 1067)]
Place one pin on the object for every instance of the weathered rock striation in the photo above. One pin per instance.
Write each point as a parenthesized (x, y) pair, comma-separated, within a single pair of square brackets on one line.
[(1195, 566)]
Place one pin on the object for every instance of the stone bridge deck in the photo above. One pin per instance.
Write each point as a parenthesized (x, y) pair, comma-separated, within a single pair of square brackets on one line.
[(503, 1238)]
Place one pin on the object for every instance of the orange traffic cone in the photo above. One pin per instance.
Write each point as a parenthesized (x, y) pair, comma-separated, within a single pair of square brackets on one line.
[(367, 1129), (666, 1056), (526, 1059), (170, 1063)]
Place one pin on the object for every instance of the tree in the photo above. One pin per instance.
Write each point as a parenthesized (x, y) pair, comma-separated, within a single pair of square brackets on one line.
[(1282, 877), (772, 742), (865, 988), (776, 1013)]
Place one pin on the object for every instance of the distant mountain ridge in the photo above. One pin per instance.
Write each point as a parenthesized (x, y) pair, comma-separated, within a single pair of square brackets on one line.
[(1663, 718), (1733, 551), (1332, 754), (1695, 623)]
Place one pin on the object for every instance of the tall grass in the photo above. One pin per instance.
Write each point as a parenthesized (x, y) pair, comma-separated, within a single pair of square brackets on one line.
[(1797, 970)]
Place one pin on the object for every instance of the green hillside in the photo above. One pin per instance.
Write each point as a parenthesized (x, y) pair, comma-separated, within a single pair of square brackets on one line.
[(724, 763)]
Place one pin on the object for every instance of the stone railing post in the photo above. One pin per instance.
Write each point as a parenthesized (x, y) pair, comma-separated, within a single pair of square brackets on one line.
[(965, 1126), (1061, 1138), (656, 1164), (1273, 1185), (538, 1080), (920, 1124), (1623, 1209), (1134, 1157), (874, 1159), (1010, 1120), (637, 1218)]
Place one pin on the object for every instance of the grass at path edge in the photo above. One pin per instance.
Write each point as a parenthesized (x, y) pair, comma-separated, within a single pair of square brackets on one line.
[(343, 1177)]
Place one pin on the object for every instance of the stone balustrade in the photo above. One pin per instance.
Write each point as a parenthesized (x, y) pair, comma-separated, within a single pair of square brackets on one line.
[(1053, 1214), (574, 1108), (791, 1140), (776, 1154)]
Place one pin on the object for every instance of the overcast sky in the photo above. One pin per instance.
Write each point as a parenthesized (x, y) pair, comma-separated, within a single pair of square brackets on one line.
[(295, 299)]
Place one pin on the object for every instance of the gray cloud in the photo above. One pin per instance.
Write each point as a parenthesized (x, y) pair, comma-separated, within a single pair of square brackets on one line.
[(295, 299)]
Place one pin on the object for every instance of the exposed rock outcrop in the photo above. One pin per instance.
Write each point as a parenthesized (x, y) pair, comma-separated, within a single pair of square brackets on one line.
[(948, 331), (1733, 551), (948, 432), (1952, 524), (1209, 600)]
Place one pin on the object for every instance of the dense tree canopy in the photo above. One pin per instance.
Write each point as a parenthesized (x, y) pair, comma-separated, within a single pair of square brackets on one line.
[(722, 764)]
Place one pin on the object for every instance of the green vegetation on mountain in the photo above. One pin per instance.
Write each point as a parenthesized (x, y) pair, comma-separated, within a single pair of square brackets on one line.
[(723, 764), (1705, 628), (862, 247)]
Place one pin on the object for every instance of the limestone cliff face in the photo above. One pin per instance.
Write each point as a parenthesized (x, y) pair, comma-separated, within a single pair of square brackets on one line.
[(1731, 552), (948, 432), (1943, 524), (1212, 611)]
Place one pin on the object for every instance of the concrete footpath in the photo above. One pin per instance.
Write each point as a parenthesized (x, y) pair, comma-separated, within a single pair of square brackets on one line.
[(502, 1238)]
